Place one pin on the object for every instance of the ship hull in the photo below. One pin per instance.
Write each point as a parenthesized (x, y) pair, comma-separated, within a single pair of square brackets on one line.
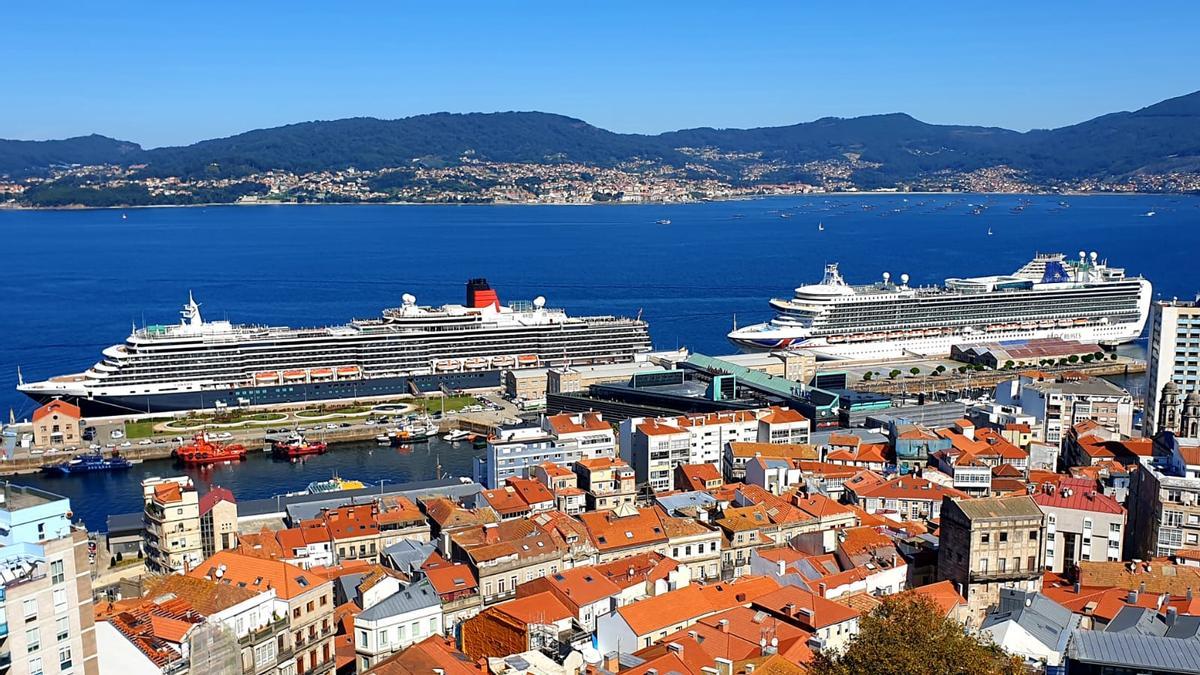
[(98, 404), (942, 345)]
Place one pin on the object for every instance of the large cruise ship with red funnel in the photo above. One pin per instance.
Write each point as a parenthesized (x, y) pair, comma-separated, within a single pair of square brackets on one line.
[(197, 364)]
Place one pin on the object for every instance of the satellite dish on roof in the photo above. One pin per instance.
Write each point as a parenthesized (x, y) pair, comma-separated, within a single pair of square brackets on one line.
[(408, 298), (904, 279), (539, 302)]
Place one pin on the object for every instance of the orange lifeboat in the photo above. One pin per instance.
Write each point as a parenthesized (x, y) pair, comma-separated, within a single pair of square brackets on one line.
[(293, 375), (267, 376), (527, 360), (348, 371), (321, 372)]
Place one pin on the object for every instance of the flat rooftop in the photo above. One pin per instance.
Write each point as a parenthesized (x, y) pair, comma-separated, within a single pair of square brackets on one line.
[(17, 497)]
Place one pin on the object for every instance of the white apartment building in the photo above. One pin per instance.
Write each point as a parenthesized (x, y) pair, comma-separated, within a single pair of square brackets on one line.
[(1173, 355), (1082, 524), (1058, 405), (655, 446)]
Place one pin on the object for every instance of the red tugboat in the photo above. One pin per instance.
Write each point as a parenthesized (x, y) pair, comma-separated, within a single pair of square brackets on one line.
[(202, 451), (297, 446)]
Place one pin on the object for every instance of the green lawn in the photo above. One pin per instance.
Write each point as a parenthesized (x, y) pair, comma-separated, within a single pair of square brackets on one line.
[(142, 428), (434, 404)]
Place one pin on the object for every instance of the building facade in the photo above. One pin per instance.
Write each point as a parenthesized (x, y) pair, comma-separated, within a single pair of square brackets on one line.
[(46, 611), (172, 520), (988, 544), (1173, 356)]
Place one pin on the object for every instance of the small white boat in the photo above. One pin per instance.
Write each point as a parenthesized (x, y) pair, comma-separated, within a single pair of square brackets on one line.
[(820, 227), (1149, 214), (989, 231), (383, 439), (663, 221), (456, 436)]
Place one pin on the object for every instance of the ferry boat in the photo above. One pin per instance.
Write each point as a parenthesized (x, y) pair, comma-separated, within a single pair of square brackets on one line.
[(334, 484), (1051, 296), (198, 364), (202, 451), (298, 446), (88, 463)]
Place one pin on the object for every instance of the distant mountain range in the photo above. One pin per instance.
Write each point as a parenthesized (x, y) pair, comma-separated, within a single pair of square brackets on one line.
[(887, 149)]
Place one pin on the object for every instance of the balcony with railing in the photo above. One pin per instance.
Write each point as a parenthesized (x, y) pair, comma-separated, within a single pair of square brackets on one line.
[(279, 625), (1005, 575)]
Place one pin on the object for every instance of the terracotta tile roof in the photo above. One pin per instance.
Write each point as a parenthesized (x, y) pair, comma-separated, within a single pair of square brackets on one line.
[(574, 587), (677, 528), (1078, 494), (774, 450), (331, 572), (610, 531), (780, 415), (451, 578), (449, 515), (254, 573), (848, 440), (531, 491), (714, 418), (820, 506), (202, 595), (1158, 576), (168, 492), (572, 423), (556, 470), (1008, 486), (855, 540), (793, 601), (655, 428), (1006, 471), (262, 544), (537, 608), (943, 594), (602, 463), (910, 488), (863, 480), (217, 494), (432, 654), (520, 538), (399, 509), (57, 406), (645, 567), (1190, 454), (505, 501), (692, 602), (744, 518), (698, 476), (860, 601), (867, 453), (738, 640), (349, 522), (156, 629)]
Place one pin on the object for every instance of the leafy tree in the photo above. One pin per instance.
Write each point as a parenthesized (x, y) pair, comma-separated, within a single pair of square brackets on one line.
[(963, 369), (940, 369), (867, 376), (908, 634), (894, 374), (1074, 358), (1087, 358), (915, 371), (1112, 356)]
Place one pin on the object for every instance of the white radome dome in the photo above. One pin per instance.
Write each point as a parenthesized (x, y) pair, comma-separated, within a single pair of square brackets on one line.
[(539, 302)]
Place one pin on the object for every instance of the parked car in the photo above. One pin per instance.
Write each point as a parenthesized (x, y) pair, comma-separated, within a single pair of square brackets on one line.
[(117, 433), (145, 441)]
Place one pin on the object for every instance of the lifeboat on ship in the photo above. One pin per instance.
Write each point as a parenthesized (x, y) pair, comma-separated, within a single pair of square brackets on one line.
[(526, 360), (446, 364), (993, 328), (1081, 322), (321, 373), (895, 335), (835, 339), (930, 332), (503, 361), (1045, 324), (294, 375), (202, 451), (475, 363), (1065, 323), (1029, 325), (266, 377), (297, 446), (346, 372)]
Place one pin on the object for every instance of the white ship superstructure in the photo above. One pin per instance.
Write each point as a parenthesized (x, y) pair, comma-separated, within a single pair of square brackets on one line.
[(1051, 296), (197, 364)]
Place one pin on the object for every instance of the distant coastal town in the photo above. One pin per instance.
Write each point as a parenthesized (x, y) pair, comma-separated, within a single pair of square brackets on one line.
[(477, 181)]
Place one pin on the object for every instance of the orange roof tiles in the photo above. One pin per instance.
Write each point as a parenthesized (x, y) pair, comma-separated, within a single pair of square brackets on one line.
[(449, 515), (699, 476), (213, 497), (856, 540), (943, 594), (58, 406), (433, 654), (204, 596), (1077, 494), (692, 602), (793, 601), (168, 492), (227, 567), (610, 531), (451, 578), (505, 501), (348, 522), (749, 449), (571, 423), (531, 491), (537, 608), (780, 415), (645, 567), (575, 587), (910, 488)]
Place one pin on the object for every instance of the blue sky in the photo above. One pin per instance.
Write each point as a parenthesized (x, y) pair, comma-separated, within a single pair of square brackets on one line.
[(167, 73)]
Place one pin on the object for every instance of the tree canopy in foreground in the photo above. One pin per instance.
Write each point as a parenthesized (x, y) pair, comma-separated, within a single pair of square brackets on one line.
[(909, 635)]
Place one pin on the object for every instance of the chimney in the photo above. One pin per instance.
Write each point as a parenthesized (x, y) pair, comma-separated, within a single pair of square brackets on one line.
[(612, 662), (723, 625), (491, 533), (1142, 587), (1076, 588), (724, 666), (1132, 598), (1172, 614), (782, 568), (675, 648), (821, 588)]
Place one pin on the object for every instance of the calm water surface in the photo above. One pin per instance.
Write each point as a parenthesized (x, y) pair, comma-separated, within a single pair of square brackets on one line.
[(76, 280)]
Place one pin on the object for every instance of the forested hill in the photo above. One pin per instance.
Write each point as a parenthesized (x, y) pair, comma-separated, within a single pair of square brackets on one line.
[(885, 149)]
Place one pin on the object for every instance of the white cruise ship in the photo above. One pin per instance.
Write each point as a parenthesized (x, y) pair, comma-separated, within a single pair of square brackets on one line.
[(197, 364), (1050, 296)]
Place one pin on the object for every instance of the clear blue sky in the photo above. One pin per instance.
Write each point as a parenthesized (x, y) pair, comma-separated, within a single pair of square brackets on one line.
[(166, 73)]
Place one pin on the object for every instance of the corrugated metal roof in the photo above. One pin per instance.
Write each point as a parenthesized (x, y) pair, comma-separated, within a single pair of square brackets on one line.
[(1135, 651)]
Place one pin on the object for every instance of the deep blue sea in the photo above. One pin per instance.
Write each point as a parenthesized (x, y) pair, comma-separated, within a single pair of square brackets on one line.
[(74, 281)]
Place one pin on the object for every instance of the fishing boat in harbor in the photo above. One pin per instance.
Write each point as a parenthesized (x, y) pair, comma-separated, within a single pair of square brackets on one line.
[(297, 445), (88, 463), (201, 452)]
